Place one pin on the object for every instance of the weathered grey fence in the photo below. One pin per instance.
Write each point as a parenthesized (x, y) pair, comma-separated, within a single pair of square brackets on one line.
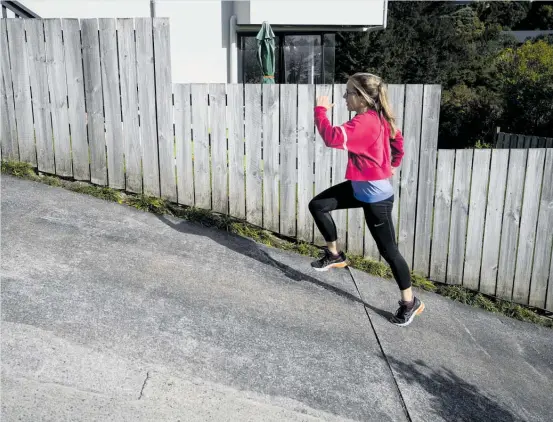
[(512, 140), (93, 100), (492, 223)]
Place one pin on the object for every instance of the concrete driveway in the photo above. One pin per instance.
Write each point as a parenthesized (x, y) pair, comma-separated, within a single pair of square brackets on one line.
[(112, 314)]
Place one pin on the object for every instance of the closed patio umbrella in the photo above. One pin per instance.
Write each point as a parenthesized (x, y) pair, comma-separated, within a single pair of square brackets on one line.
[(266, 52)]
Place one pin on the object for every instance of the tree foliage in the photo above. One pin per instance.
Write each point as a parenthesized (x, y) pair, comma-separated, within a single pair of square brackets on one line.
[(540, 16), (465, 49), (526, 74), (507, 14)]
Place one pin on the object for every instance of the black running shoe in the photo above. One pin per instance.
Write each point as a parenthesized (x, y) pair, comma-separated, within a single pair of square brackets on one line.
[(329, 261), (404, 316)]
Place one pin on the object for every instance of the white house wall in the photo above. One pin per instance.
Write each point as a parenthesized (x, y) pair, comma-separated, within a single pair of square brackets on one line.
[(198, 50), (312, 12)]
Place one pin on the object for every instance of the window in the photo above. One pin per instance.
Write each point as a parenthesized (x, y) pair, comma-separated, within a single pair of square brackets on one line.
[(329, 58), (300, 59)]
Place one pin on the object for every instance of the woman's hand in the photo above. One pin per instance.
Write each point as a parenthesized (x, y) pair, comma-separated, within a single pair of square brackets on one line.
[(324, 102)]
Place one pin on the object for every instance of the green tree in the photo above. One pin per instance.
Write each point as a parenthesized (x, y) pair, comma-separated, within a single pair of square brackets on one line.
[(442, 43), (526, 74), (506, 14), (487, 79), (539, 17)]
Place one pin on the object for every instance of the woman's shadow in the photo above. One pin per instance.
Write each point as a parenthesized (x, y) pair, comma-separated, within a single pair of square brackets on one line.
[(253, 250)]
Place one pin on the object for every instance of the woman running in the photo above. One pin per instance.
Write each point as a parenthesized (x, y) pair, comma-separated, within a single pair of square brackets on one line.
[(375, 149)]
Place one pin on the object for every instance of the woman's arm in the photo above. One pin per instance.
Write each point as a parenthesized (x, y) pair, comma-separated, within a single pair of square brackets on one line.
[(397, 149), (333, 136), (356, 135)]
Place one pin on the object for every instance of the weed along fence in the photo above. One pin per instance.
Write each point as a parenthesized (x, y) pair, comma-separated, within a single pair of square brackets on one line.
[(94, 100)]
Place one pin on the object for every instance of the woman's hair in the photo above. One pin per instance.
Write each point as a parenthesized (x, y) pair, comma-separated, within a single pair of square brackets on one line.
[(375, 92)]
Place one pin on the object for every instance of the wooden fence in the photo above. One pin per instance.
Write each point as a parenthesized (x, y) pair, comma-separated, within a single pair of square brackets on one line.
[(512, 140), (94, 100), (493, 215)]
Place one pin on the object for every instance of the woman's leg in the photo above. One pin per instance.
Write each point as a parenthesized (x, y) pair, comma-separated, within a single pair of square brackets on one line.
[(378, 216), (379, 221), (335, 198)]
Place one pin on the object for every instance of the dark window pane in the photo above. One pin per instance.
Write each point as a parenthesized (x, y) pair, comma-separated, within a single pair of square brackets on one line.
[(330, 40), (250, 66), (277, 60), (329, 58), (302, 59)]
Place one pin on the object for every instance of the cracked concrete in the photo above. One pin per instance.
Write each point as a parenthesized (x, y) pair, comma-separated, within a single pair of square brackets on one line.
[(95, 295), (144, 385)]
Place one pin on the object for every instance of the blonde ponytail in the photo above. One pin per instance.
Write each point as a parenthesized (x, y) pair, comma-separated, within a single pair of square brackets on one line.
[(386, 109)]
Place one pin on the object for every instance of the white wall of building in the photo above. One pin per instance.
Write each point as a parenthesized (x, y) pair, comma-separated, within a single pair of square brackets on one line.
[(312, 12), (198, 50)]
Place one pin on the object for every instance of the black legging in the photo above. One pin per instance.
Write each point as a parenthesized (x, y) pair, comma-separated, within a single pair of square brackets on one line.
[(378, 216)]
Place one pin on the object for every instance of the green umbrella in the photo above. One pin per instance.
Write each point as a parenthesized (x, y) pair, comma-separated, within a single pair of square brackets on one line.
[(266, 52)]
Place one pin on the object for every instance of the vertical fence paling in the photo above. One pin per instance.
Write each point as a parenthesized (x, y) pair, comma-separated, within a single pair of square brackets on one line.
[(129, 106), (57, 86), (39, 87), (494, 217), (115, 142), (459, 216), (513, 141), (477, 213), (288, 156), (410, 170), (520, 141), (442, 213), (164, 104), (237, 187), (219, 170), (94, 101), (306, 151), (500, 140), (17, 50), (544, 242), (511, 224), (147, 105), (528, 224), (183, 140), (200, 139), (254, 175), (271, 170), (427, 174), (9, 126), (549, 299), (76, 97)]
